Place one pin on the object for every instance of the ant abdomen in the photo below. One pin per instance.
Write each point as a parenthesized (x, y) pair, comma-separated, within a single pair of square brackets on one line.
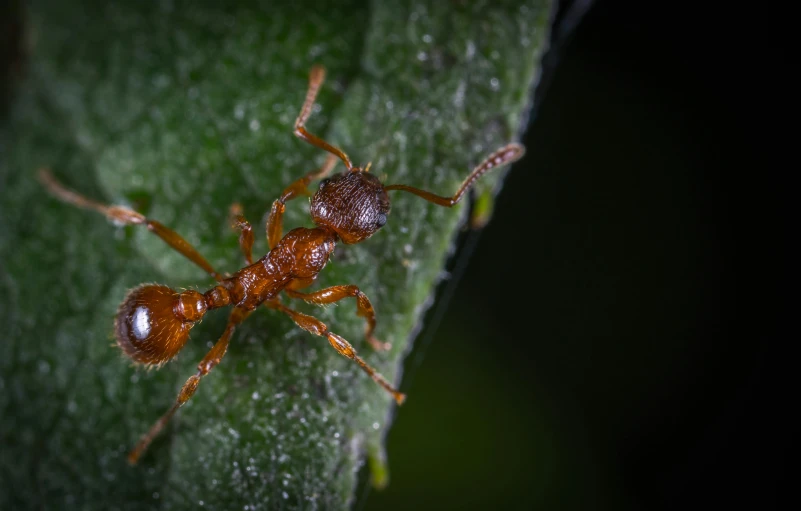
[(153, 322)]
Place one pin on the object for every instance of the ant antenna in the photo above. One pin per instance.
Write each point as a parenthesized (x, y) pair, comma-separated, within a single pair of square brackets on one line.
[(503, 156)]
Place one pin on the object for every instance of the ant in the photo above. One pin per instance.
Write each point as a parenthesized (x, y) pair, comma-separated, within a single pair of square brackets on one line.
[(152, 325)]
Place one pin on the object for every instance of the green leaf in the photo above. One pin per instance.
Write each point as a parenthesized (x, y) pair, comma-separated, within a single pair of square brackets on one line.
[(180, 109)]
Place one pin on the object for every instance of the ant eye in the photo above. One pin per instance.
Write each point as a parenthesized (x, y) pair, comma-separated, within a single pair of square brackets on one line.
[(381, 220), (324, 182)]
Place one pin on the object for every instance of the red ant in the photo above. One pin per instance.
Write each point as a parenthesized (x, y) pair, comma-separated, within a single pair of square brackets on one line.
[(153, 323)]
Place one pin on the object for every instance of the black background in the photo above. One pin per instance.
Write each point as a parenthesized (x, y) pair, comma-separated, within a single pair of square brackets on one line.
[(613, 342)]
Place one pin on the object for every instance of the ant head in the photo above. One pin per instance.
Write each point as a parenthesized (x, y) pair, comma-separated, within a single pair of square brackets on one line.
[(353, 204)]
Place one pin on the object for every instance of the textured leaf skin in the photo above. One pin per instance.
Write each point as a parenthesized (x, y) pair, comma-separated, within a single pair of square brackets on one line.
[(181, 109)]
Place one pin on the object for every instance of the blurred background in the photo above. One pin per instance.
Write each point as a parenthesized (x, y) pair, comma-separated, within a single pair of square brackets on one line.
[(631, 366)]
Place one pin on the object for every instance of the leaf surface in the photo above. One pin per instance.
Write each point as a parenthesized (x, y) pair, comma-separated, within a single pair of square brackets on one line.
[(180, 109)]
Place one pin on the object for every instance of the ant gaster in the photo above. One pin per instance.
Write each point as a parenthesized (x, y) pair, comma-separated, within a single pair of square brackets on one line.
[(153, 323)]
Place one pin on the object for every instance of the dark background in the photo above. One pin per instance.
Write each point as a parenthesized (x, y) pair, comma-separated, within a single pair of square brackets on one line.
[(634, 363)]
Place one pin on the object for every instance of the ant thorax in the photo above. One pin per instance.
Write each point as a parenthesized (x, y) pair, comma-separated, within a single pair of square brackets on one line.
[(301, 254)]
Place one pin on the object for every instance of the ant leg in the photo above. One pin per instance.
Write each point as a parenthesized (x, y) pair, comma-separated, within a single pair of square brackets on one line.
[(504, 155), (336, 293), (127, 216), (275, 222), (343, 347), (238, 221), (316, 78), (300, 283), (212, 358)]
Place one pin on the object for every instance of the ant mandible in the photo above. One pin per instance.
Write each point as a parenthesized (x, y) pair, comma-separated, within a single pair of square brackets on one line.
[(152, 325)]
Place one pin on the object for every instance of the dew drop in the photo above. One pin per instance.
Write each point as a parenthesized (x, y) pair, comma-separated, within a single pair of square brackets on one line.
[(44, 367), (470, 51)]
